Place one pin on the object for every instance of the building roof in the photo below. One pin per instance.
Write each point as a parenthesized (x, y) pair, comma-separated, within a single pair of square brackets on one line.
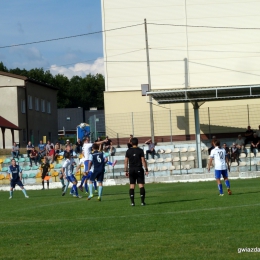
[(26, 79), (204, 94), (7, 124)]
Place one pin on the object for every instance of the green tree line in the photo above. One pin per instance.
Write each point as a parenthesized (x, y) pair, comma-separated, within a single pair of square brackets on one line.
[(78, 91)]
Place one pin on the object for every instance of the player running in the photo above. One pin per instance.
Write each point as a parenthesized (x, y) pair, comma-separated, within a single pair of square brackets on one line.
[(221, 164), (68, 173), (15, 172)]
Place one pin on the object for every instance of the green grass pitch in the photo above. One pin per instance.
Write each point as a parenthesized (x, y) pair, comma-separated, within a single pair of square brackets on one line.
[(180, 221)]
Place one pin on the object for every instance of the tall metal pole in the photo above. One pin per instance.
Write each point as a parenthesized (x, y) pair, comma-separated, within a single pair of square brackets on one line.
[(133, 133), (149, 82), (171, 124)]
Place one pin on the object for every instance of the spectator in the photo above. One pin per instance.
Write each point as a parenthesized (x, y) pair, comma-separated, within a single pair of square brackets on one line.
[(249, 135), (15, 151), (234, 153), (99, 139), (29, 148), (258, 131), (150, 150), (79, 145), (57, 150), (212, 144), (51, 155), (42, 149), (109, 146), (227, 150), (48, 147), (254, 143), (33, 156), (129, 144), (240, 143)]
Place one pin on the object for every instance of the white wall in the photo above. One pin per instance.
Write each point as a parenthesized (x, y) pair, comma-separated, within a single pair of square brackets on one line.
[(217, 57)]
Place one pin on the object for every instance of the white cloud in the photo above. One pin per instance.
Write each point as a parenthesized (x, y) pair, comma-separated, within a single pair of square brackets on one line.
[(80, 69)]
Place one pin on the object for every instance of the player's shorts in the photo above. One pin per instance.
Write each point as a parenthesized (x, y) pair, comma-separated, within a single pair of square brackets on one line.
[(71, 178), (218, 174), (44, 175), (136, 175), (97, 175), (14, 182)]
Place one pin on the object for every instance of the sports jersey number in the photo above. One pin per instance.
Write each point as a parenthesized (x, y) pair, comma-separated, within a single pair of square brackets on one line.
[(221, 155), (98, 159)]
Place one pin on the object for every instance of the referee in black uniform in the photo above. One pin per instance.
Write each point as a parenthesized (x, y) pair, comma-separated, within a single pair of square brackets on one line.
[(135, 158)]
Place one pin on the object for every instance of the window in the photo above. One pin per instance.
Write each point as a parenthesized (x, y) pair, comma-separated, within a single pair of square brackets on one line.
[(37, 104), (43, 105), (48, 107), (30, 102), (23, 106)]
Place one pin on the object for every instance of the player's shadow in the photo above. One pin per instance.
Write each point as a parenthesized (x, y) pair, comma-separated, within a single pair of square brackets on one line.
[(173, 201), (242, 193)]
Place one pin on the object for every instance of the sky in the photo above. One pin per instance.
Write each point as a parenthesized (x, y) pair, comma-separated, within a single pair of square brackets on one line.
[(30, 21)]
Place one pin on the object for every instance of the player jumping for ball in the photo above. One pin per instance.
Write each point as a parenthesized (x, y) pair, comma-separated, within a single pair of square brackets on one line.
[(221, 164)]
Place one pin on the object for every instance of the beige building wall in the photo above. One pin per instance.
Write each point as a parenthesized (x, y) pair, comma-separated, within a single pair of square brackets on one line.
[(216, 57), (8, 109)]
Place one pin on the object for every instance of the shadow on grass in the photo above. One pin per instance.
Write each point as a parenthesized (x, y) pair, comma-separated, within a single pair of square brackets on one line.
[(173, 201), (247, 192)]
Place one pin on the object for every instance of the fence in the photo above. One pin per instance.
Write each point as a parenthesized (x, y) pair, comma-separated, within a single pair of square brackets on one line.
[(170, 125)]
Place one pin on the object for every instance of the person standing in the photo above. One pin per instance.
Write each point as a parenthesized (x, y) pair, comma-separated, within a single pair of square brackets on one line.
[(135, 159), (150, 150), (68, 174), (45, 169), (15, 172), (98, 159), (221, 165), (129, 144)]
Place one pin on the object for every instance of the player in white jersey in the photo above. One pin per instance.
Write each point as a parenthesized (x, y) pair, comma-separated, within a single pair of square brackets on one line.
[(221, 165), (68, 174)]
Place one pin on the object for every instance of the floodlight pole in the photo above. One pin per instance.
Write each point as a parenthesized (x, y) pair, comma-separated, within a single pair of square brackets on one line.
[(197, 134), (149, 82)]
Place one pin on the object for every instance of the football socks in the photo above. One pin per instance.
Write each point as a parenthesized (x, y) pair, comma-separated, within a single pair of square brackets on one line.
[(220, 188), (11, 193), (90, 188), (95, 185), (86, 187), (24, 192), (227, 184), (83, 180), (75, 189), (142, 194), (132, 195), (100, 189)]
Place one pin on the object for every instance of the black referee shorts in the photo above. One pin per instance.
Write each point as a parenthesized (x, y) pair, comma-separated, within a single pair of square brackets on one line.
[(136, 175)]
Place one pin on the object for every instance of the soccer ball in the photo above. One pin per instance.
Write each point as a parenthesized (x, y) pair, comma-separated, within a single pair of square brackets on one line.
[(82, 125)]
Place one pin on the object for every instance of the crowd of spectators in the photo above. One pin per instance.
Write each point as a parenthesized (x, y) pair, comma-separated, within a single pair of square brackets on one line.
[(251, 138)]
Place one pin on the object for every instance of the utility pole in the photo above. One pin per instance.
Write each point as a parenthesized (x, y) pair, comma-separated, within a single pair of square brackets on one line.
[(149, 81)]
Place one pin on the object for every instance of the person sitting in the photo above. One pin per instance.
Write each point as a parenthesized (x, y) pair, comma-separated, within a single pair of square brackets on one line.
[(129, 144), (79, 145), (51, 155), (57, 150), (109, 145), (15, 150), (249, 135), (99, 139), (240, 144), (48, 147), (234, 153), (42, 149), (29, 148), (151, 149), (33, 156), (254, 143)]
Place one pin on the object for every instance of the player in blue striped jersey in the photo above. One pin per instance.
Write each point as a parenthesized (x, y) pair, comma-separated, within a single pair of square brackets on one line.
[(99, 160), (15, 172)]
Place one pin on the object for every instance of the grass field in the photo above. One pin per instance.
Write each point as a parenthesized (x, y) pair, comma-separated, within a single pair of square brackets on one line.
[(180, 221)]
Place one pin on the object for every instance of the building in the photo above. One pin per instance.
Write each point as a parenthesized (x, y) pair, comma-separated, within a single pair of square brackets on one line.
[(191, 45), (31, 106)]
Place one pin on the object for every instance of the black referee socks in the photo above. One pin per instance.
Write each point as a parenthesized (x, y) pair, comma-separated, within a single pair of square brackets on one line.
[(132, 195), (142, 194)]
